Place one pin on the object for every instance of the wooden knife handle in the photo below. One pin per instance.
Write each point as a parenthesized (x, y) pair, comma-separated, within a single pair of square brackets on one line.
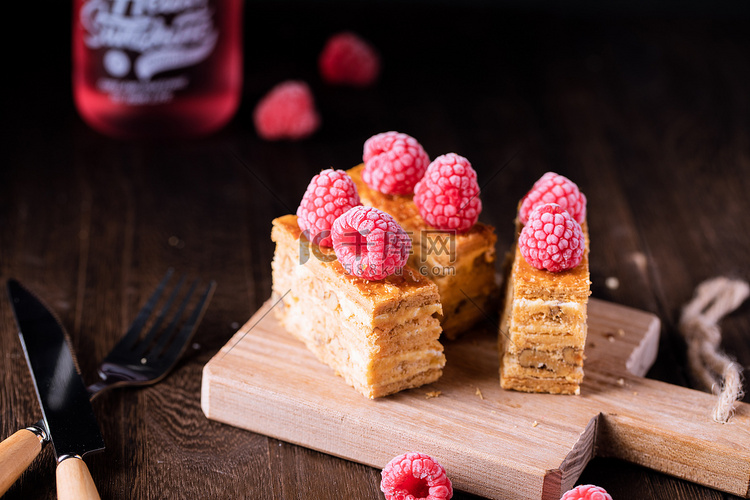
[(16, 454), (74, 480)]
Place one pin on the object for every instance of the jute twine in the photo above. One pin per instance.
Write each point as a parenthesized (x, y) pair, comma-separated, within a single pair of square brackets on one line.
[(712, 369)]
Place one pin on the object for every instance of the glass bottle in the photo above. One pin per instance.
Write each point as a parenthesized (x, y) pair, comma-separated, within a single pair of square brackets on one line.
[(155, 68)]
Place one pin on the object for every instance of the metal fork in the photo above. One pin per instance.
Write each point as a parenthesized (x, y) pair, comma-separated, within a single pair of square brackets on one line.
[(146, 361), (132, 362)]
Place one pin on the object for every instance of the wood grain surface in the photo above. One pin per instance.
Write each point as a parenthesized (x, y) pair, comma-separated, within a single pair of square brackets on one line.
[(645, 107)]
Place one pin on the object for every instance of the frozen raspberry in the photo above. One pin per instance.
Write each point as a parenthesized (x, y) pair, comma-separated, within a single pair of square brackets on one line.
[(552, 239), (347, 59), (414, 476), (448, 195), (554, 188), (369, 243), (394, 163), (586, 492), (286, 112), (329, 194)]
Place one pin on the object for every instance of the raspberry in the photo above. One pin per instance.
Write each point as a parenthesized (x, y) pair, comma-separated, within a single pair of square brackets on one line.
[(286, 112), (414, 476), (369, 243), (329, 194), (586, 492), (554, 188), (448, 195), (552, 239), (394, 163), (347, 59)]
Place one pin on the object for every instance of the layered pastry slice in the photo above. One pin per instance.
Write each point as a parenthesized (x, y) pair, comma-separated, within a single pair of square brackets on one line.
[(462, 265), (381, 336), (543, 323)]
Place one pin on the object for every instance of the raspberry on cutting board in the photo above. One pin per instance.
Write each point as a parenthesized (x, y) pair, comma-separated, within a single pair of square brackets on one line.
[(554, 188), (415, 476), (369, 243), (394, 162), (448, 195), (347, 59), (552, 239), (287, 111), (329, 194), (586, 492)]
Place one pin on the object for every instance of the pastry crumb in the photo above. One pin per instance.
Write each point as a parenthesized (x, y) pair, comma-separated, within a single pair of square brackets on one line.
[(620, 381), (535, 423), (620, 332), (479, 393), (432, 394)]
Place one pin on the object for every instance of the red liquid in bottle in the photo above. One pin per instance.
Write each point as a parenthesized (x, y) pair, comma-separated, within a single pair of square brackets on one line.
[(156, 68)]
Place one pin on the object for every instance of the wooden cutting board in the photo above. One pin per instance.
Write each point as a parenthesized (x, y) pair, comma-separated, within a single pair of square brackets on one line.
[(492, 442)]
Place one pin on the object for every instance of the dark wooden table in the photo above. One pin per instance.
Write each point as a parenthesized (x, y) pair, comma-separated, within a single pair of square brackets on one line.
[(647, 109)]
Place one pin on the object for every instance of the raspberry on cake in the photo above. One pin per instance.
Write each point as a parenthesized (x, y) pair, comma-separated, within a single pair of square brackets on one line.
[(394, 163), (448, 195), (554, 188), (369, 243), (543, 323), (552, 239), (329, 195), (379, 333), (461, 264)]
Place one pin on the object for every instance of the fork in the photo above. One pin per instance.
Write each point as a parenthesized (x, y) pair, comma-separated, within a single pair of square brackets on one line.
[(134, 361)]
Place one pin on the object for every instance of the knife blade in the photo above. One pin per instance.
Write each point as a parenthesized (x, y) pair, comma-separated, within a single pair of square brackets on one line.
[(66, 409)]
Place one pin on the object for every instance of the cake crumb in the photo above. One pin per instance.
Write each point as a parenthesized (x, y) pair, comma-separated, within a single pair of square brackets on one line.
[(620, 332), (611, 337), (612, 283), (535, 423), (479, 393), (432, 394), (635, 393), (621, 381)]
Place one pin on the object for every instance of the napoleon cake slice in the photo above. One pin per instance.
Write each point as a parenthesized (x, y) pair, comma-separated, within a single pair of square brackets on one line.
[(370, 317), (543, 323)]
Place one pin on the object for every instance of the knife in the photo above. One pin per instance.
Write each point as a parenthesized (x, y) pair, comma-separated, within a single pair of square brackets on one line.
[(67, 413)]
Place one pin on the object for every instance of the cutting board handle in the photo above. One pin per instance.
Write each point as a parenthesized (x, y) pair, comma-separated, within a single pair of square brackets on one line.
[(16, 454), (74, 480), (670, 429)]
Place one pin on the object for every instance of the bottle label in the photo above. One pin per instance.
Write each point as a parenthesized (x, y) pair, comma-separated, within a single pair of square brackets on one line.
[(147, 47)]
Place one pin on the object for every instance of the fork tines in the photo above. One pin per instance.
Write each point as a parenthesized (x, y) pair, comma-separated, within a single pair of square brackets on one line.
[(167, 333)]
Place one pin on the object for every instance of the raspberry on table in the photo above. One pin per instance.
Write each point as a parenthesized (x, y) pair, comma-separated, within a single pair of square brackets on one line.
[(448, 195), (415, 476), (329, 194), (552, 239), (287, 111), (554, 188), (586, 492), (394, 162), (369, 243), (347, 59)]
